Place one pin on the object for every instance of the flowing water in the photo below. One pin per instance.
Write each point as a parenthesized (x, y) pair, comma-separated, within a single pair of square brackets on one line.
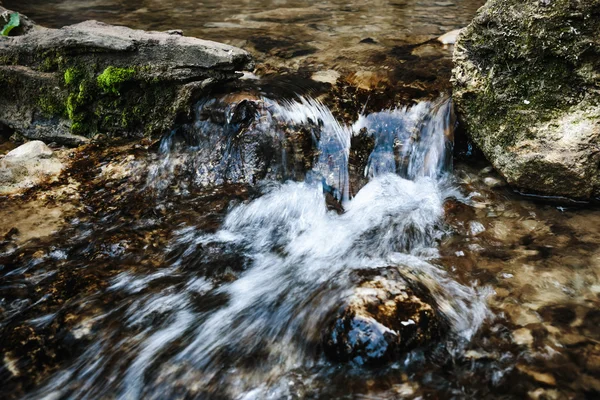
[(178, 330), (212, 264)]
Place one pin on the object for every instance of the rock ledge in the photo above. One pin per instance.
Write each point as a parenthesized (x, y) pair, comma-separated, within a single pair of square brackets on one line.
[(527, 87), (68, 84)]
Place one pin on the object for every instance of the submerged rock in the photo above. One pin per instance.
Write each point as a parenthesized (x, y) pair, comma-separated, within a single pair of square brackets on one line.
[(66, 85), (526, 82), (27, 166), (385, 317)]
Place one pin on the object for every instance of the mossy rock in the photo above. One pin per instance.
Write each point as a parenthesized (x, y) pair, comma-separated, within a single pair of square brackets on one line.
[(66, 85), (526, 86)]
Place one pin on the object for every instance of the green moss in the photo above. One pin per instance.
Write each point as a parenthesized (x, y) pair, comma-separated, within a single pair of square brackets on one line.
[(93, 97), (72, 106), (50, 105), (73, 76), (7, 60), (112, 79), (50, 61), (83, 128), (82, 91), (118, 101), (78, 128)]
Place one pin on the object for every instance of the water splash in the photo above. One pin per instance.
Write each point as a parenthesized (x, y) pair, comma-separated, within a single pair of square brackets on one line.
[(242, 339), (410, 141), (249, 141), (333, 141), (256, 140)]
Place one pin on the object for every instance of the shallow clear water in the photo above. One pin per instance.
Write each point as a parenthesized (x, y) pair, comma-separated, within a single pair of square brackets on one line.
[(371, 44), (322, 24)]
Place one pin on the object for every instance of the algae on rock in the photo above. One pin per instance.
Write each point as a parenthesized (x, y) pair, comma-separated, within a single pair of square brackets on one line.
[(527, 87), (66, 85)]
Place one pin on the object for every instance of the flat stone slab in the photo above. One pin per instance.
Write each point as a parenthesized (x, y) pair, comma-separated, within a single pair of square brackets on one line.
[(69, 84)]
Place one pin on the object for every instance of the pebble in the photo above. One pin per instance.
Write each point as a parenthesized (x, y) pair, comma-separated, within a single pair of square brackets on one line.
[(523, 337), (590, 383), (404, 389), (329, 76), (544, 394), (592, 363), (33, 149), (476, 228), (541, 377), (10, 364), (478, 355), (26, 166), (493, 182), (449, 37)]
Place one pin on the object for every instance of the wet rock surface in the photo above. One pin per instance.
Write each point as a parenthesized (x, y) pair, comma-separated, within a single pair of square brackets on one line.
[(238, 138), (526, 87), (385, 317), (66, 85)]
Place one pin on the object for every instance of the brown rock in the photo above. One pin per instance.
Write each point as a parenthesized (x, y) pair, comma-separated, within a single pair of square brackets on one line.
[(385, 317)]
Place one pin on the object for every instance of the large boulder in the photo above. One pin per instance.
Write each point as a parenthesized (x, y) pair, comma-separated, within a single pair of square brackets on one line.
[(66, 84), (527, 88)]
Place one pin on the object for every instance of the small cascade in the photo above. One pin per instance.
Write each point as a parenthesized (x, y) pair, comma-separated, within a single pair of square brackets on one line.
[(263, 139), (410, 141), (332, 139), (291, 257)]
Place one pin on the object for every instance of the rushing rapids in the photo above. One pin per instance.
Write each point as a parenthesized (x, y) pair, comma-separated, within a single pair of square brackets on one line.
[(243, 311)]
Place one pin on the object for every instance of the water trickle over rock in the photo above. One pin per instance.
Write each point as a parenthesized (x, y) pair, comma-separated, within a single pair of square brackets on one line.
[(235, 304)]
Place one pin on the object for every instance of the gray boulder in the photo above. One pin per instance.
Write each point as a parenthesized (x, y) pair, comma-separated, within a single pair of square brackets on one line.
[(527, 88), (66, 85)]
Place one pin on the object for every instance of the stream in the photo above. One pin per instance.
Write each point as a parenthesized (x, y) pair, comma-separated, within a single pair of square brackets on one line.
[(220, 261)]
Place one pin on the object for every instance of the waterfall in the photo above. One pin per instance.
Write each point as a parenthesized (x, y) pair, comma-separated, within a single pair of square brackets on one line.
[(297, 254)]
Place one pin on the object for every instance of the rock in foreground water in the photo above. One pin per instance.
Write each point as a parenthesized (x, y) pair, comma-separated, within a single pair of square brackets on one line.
[(27, 166), (67, 84), (385, 317), (526, 85)]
